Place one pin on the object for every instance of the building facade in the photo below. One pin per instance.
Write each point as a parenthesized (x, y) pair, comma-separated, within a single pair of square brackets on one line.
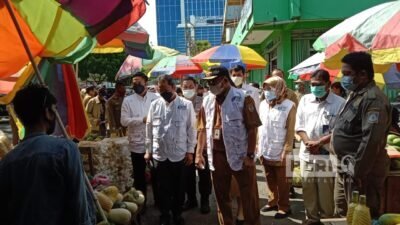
[(180, 23), (283, 31)]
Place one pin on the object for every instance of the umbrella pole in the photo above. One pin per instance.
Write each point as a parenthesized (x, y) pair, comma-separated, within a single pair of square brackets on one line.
[(41, 81)]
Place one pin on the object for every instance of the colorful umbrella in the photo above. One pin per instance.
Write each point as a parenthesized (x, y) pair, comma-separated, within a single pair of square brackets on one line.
[(61, 80), (177, 66), (230, 55), (134, 64), (61, 29), (135, 41), (391, 78), (376, 30)]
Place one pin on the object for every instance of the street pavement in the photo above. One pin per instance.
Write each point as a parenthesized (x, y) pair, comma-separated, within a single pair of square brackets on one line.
[(194, 217)]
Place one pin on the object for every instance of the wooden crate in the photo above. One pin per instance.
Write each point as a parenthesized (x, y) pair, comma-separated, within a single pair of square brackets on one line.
[(391, 196)]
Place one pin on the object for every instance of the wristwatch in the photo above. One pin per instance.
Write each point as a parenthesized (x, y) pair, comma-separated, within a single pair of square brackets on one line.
[(250, 155)]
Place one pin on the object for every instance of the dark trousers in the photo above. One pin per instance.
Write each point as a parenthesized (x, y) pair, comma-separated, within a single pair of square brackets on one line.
[(139, 168), (372, 187), (205, 183), (170, 176)]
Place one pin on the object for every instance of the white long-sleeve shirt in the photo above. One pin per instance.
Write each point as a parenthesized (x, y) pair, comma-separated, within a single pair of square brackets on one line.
[(171, 129), (134, 109), (316, 118)]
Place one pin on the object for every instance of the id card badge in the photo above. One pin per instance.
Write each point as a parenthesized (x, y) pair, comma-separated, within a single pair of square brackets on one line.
[(217, 134), (325, 129)]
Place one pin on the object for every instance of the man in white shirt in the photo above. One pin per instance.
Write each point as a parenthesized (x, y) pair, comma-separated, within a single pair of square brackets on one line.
[(134, 111), (315, 119), (170, 141), (190, 92), (238, 76)]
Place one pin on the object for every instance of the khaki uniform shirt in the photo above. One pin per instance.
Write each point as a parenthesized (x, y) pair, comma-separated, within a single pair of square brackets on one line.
[(291, 95), (95, 110), (113, 106), (360, 132)]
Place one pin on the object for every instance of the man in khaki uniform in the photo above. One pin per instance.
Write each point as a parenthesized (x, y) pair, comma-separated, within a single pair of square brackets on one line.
[(96, 111), (228, 122), (90, 93), (113, 106), (359, 136)]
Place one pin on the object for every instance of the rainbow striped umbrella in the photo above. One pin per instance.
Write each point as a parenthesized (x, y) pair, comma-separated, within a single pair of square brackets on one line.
[(177, 66), (230, 55), (61, 81), (135, 42), (134, 64), (61, 29), (376, 30)]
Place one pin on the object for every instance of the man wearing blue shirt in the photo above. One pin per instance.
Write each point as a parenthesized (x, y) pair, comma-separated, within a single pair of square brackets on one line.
[(42, 180)]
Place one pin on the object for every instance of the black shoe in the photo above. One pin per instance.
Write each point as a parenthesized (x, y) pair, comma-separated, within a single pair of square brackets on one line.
[(179, 221), (279, 215), (268, 208), (239, 222), (189, 205), (292, 192), (205, 206)]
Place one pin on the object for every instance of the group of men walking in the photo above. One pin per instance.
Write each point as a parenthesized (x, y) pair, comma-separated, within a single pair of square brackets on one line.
[(221, 134)]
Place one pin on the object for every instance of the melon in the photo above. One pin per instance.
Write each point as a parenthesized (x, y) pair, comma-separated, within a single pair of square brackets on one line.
[(390, 138), (120, 216), (389, 219), (396, 142)]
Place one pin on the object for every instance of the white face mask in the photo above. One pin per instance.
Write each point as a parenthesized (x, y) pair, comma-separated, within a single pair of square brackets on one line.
[(189, 93), (237, 80)]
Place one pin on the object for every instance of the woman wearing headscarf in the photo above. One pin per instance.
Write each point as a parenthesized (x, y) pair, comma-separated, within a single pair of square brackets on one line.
[(278, 115)]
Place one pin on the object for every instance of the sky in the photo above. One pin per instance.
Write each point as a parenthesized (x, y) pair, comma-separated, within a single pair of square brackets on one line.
[(148, 21)]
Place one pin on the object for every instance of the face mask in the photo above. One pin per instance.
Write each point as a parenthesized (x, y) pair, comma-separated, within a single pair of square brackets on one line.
[(237, 80), (216, 89), (347, 83), (138, 88), (189, 93), (318, 91), (200, 94), (167, 96), (296, 86), (270, 95)]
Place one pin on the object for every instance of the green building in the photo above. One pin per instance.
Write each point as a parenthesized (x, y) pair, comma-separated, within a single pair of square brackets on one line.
[(283, 31)]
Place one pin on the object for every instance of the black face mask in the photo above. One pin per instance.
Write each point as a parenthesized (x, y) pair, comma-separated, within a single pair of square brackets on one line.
[(167, 96), (138, 88), (200, 94)]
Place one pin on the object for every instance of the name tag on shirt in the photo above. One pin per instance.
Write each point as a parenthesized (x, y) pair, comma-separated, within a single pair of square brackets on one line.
[(282, 108), (217, 134), (182, 107)]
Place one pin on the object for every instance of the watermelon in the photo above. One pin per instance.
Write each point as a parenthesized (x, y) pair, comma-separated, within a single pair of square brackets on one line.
[(396, 142)]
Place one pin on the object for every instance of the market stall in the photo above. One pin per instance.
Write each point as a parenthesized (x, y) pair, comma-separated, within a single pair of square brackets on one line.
[(391, 199), (109, 157)]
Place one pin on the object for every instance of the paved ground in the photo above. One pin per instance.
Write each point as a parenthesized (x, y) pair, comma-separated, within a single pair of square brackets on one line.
[(194, 217)]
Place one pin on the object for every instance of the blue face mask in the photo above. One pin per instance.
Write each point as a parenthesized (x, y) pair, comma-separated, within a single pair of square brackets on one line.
[(347, 83), (318, 91), (270, 95)]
